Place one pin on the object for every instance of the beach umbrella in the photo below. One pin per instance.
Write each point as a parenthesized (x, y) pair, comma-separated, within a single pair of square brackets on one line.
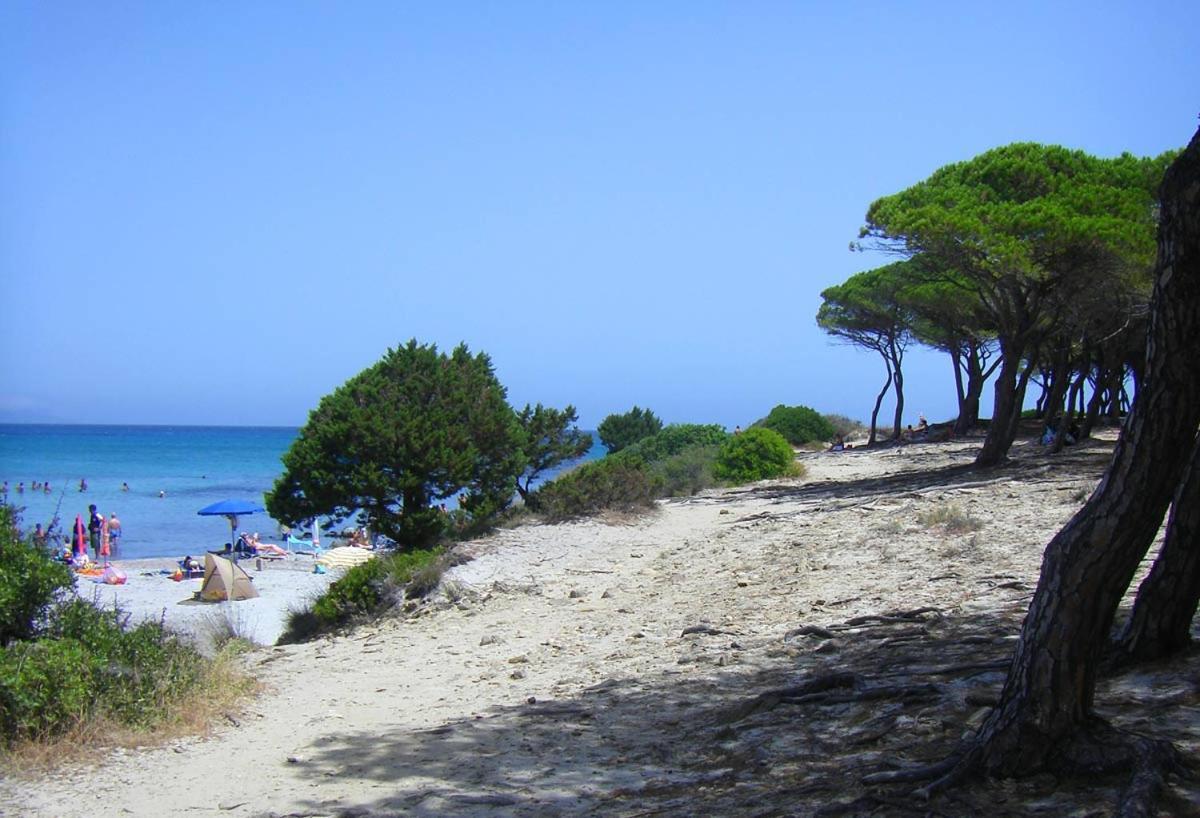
[(231, 510), (80, 541)]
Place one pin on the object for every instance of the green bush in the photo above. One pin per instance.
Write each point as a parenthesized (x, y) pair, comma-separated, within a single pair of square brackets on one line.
[(611, 483), (755, 454), (30, 581), (618, 431), (88, 665), (360, 590), (45, 688), (798, 424), (674, 439), (687, 472)]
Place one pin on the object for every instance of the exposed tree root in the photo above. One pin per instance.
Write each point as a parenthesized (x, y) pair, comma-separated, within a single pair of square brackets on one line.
[(1098, 749)]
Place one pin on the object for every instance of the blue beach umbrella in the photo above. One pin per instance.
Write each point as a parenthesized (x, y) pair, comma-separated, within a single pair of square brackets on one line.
[(231, 509)]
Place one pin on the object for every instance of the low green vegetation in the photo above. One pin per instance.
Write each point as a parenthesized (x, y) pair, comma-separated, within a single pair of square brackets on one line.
[(365, 590), (756, 454), (799, 425), (674, 440), (67, 665), (618, 484), (679, 460)]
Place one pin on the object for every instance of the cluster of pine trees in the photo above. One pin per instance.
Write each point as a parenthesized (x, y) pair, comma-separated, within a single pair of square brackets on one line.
[(1027, 262)]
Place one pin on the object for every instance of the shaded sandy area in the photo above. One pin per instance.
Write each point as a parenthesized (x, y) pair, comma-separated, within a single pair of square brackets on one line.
[(618, 667)]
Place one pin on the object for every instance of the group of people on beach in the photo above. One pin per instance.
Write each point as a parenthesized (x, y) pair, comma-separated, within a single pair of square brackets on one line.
[(103, 537)]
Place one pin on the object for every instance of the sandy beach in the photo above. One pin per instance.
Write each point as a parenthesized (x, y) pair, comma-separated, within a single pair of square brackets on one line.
[(625, 666), (150, 593)]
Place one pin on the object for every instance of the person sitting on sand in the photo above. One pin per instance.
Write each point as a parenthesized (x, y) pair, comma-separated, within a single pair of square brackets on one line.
[(839, 443)]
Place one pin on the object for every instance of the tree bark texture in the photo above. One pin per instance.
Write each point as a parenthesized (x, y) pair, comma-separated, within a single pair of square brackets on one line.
[(999, 440), (1161, 621), (1047, 698)]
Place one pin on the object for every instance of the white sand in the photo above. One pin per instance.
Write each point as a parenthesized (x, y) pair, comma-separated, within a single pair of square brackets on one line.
[(554, 676)]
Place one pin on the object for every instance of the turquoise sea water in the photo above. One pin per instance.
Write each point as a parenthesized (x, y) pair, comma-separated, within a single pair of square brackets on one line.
[(193, 466)]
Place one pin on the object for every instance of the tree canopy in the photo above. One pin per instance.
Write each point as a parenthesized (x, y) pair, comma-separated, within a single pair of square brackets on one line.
[(868, 310), (1028, 233), (618, 431), (416, 428)]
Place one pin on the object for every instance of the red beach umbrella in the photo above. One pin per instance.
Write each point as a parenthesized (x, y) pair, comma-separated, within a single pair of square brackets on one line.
[(80, 536)]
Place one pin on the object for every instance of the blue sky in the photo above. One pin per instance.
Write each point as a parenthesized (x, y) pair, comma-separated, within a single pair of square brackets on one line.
[(216, 213)]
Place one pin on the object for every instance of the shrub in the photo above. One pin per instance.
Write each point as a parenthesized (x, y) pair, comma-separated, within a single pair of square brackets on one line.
[(687, 472), (797, 424), (30, 582), (358, 591), (755, 454), (89, 666), (364, 590), (618, 431), (674, 439), (845, 426), (45, 688), (611, 483)]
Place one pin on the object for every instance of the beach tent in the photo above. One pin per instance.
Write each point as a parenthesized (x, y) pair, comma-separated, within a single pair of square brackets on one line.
[(224, 580)]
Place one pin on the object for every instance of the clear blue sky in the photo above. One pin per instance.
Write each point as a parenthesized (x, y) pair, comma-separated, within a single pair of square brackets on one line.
[(217, 213)]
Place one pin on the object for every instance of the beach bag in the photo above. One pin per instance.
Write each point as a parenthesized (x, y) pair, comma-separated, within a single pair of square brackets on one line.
[(113, 576)]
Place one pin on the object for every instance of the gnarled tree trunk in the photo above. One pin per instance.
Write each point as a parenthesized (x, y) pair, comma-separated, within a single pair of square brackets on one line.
[(1046, 704), (1044, 719), (1161, 621)]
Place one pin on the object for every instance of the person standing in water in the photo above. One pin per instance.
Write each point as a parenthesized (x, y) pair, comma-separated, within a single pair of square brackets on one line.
[(114, 532), (95, 526)]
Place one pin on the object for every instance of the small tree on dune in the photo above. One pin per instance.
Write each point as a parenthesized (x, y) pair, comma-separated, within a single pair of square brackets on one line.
[(618, 431), (550, 439), (414, 429)]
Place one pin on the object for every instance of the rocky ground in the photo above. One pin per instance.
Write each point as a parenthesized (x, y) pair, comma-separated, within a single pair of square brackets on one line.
[(746, 652)]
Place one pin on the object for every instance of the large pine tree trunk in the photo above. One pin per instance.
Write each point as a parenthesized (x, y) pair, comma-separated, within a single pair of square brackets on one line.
[(1161, 621), (1002, 431), (1045, 707)]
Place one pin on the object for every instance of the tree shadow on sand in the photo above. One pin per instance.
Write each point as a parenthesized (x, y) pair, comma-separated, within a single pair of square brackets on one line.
[(787, 727), (1028, 464)]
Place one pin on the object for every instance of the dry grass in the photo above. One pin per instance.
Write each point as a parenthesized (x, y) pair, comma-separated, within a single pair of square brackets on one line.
[(950, 518)]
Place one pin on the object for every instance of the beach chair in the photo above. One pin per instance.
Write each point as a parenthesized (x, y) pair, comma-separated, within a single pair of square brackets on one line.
[(302, 546)]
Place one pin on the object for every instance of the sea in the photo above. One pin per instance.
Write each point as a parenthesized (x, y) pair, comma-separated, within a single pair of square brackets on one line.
[(171, 473)]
